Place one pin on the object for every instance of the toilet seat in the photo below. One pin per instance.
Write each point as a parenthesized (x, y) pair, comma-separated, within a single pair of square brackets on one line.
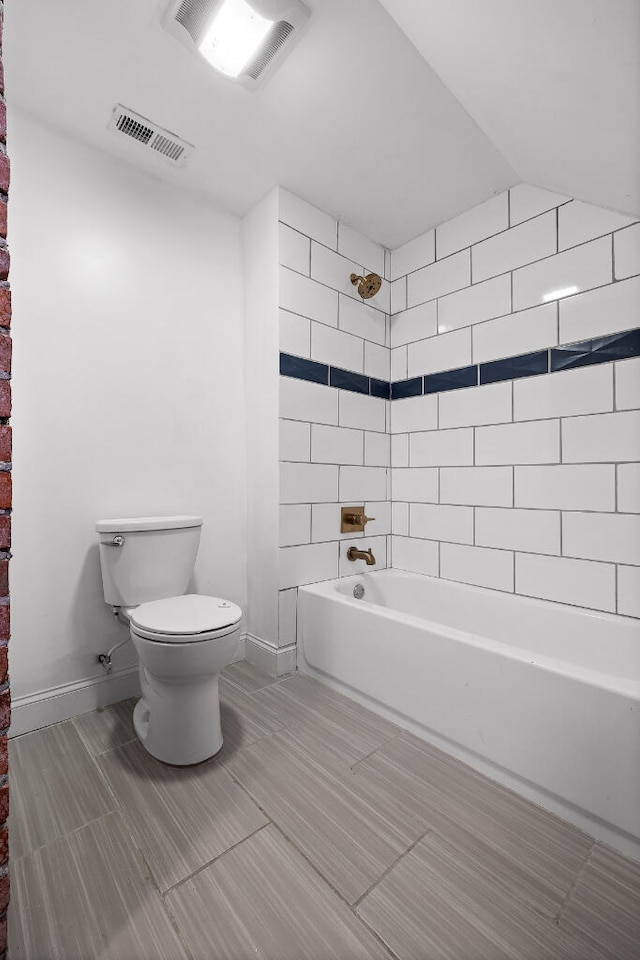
[(185, 619)]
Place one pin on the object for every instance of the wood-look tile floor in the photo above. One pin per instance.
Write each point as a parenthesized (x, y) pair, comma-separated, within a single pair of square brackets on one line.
[(320, 832)]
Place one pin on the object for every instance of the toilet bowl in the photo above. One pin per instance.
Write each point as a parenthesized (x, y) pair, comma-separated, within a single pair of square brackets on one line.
[(183, 641)]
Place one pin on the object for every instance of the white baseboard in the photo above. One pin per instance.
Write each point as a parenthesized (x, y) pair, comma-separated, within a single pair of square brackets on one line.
[(272, 660), (241, 651), (71, 699)]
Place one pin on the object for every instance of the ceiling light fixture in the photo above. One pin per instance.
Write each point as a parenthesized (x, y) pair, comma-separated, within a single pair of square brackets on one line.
[(235, 34), (242, 39)]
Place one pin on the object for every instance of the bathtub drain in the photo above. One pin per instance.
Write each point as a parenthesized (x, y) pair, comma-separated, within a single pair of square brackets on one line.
[(358, 591)]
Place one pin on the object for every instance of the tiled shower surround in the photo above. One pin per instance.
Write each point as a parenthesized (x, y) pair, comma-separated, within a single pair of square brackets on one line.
[(334, 439), (514, 347)]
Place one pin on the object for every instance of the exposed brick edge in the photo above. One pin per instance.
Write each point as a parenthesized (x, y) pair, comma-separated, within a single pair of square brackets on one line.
[(5, 506)]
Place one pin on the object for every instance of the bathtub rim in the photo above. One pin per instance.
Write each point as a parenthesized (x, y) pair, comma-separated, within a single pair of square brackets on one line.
[(628, 687)]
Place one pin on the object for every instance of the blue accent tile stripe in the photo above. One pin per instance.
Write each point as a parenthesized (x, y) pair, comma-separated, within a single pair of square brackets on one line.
[(512, 368), (406, 388), (348, 380), (618, 346), (451, 380), (380, 388), (303, 369)]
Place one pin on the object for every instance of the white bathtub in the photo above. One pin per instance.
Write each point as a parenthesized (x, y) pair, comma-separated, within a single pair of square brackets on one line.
[(540, 696)]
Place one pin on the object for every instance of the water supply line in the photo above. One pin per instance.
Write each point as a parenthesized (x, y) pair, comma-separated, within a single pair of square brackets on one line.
[(105, 658)]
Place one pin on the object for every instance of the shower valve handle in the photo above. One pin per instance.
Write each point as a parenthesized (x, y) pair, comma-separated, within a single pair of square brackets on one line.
[(359, 519)]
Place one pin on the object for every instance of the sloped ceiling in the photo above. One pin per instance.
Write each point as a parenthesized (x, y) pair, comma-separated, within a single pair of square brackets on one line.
[(354, 120), (391, 126), (554, 84)]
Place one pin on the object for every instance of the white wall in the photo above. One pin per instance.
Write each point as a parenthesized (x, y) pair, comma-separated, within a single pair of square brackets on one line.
[(260, 252), (128, 388)]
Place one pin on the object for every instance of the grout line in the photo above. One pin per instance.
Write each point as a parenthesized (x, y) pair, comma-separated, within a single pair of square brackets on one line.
[(613, 258), (392, 866), (565, 902), (215, 859), (328, 884)]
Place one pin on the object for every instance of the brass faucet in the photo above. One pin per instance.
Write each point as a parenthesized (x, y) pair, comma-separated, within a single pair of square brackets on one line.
[(354, 554)]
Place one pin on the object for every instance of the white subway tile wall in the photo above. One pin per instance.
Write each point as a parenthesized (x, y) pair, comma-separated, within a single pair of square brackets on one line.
[(295, 250), (533, 329), (526, 243), (440, 278), (440, 353), (599, 312), (562, 275), (579, 222), (474, 304), (526, 202), (626, 252), (473, 225), (335, 447), (530, 484)]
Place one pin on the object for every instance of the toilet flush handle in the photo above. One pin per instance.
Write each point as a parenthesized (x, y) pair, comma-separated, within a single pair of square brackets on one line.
[(118, 541)]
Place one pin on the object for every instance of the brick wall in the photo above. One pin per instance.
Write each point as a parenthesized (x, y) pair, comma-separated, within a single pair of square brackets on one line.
[(5, 505)]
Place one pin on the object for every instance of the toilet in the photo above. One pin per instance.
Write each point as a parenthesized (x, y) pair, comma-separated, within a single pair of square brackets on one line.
[(183, 640)]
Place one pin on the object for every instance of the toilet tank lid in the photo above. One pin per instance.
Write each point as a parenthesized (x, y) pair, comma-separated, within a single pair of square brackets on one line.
[(128, 524)]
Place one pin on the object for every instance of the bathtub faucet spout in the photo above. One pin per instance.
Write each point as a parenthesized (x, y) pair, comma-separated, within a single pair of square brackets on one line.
[(354, 554)]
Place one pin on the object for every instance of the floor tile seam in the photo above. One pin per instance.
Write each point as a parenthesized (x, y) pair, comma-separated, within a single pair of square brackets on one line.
[(345, 766), (583, 867), (327, 883), (148, 874), (101, 753), (375, 750), (391, 867), (250, 693), (254, 800), (110, 788), (376, 936), (109, 794), (519, 902), (65, 836), (85, 739), (82, 739), (446, 837), (459, 769), (255, 723), (209, 863)]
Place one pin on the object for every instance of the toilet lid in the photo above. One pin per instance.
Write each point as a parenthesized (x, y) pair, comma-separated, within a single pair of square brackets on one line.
[(190, 614)]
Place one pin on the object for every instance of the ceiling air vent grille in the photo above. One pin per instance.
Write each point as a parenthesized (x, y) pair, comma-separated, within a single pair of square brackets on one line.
[(148, 134), (133, 128), (272, 45)]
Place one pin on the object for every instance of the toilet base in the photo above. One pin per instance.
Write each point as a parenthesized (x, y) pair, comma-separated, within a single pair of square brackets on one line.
[(179, 725), (173, 754)]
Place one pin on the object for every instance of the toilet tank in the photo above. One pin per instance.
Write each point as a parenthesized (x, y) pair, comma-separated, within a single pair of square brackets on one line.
[(154, 559)]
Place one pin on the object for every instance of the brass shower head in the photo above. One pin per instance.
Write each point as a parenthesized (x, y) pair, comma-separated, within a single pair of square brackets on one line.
[(367, 286)]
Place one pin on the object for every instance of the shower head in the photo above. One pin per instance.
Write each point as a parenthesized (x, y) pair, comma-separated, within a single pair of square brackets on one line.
[(367, 286)]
